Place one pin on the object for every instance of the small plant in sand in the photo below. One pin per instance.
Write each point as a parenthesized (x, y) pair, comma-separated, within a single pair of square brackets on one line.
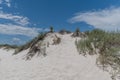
[(106, 44)]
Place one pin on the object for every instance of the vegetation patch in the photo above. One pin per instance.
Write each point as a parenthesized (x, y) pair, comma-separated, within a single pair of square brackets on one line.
[(63, 31), (8, 47), (56, 40), (106, 44), (77, 33), (31, 43)]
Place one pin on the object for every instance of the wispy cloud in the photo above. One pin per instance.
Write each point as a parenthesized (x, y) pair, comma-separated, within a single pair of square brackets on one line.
[(0, 1), (107, 19), (16, 40), (17, 19), (6, 2), (11, 29), (16, 24)]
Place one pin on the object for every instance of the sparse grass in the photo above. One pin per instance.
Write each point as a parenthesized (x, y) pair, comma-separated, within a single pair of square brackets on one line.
[(8, 47), (77, 33), (63, 31), (106, 44), (30, 44)]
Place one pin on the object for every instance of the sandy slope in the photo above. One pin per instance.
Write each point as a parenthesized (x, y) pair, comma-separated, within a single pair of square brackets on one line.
[(61, 63)]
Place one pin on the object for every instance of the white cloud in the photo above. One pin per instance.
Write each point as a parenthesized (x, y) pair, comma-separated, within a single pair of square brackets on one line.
[(16, 24), (16, 39), (17, 19), (6, 2), (107, 19), (20, 28), (11, 29), (46, 29), (1, 1), (16, 29)]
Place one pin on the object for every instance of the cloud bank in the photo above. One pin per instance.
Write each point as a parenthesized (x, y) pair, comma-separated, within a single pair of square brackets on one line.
[(106, 19)]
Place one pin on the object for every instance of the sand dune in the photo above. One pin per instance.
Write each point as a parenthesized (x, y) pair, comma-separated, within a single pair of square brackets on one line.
[(61, 63)]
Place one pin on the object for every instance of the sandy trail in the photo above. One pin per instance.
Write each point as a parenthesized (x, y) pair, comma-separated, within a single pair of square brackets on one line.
[(61, 63)]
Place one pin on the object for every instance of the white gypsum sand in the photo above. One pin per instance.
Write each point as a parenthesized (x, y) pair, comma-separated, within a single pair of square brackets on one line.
[(62, 62)]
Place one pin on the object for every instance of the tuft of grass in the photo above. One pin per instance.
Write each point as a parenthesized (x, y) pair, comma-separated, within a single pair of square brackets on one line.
[(106, 44)]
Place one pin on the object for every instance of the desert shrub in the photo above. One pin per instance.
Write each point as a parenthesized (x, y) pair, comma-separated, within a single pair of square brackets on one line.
[(106, 44)]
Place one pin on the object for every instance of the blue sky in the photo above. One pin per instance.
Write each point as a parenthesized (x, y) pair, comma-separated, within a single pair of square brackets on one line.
[(22, 20)]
